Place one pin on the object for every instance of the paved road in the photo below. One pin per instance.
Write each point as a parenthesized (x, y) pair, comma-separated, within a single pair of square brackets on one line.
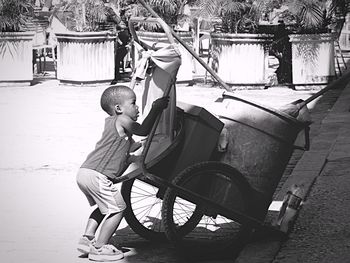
[(321, 233), (46, 132)]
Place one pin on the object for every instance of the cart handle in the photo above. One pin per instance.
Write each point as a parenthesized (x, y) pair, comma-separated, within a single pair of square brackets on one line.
[(167, 31), (151, 135), (131, 23), (135, 19)]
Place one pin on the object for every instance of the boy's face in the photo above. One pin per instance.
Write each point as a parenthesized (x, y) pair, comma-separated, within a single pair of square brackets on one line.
[(128, 107)]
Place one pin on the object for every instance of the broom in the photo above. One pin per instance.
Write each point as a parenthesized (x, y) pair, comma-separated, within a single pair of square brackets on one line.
[(297, 108), (188, 48)]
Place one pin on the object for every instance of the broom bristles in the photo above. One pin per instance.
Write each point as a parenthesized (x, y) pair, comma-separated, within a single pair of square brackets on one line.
[(297, 109), (292, 108)]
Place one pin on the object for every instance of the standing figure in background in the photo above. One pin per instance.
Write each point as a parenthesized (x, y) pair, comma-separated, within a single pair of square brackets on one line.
[(118, 19), (122, 49), (282, 50)]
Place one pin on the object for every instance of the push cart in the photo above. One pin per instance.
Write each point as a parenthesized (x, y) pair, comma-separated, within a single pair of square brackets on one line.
[(186, 191)]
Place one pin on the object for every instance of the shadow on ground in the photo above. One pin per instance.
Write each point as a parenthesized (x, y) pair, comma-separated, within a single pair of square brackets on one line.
[(138, 249)]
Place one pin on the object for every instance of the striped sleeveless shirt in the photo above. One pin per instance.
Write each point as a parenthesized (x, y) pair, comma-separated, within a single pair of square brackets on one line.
[(111, 152)]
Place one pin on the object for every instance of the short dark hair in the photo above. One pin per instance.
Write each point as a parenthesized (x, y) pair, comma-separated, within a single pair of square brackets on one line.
[(112, 96)]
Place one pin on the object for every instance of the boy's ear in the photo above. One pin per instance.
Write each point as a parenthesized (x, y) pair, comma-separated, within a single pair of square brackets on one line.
[(118, 109)]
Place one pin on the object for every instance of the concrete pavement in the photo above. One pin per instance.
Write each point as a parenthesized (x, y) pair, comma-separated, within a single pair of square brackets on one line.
[(321, 232), (47, 130)]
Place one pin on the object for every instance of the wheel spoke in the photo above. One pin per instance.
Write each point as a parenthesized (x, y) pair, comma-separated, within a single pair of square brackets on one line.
[(145, 209), (146, 188), (141, 199), (182, 211)]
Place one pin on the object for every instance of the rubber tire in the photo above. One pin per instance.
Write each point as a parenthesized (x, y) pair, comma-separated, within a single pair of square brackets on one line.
[(177, 238)]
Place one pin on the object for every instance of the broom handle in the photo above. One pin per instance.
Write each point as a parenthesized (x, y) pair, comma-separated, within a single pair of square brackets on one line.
[(188, 48), (328, 87)]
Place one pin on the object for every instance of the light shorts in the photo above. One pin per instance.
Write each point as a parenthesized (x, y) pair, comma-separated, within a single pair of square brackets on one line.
[(101, 191)]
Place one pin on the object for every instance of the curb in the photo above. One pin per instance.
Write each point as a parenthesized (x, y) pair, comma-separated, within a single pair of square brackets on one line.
[(304, 174)]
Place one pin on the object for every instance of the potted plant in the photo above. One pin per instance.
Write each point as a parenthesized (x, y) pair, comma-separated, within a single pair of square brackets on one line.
[(239, 51), (176, 14), (85, 54), (316, 26), (15, 44)]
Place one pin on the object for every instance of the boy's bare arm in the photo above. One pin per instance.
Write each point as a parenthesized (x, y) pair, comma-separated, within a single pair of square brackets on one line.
[(145, 128), (136, 145)]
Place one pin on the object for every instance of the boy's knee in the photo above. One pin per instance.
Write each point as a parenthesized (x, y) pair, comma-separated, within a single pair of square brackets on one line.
[(119, 212), (122, 207)]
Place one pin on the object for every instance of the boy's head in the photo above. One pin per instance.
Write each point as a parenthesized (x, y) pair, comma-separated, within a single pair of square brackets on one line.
[(115, 96)]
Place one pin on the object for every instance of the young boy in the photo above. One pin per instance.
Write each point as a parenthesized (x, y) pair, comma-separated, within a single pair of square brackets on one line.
[(109, 160)]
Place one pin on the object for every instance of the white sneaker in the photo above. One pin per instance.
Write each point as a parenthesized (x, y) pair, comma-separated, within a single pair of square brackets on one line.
[(105, 253), (84, 245)]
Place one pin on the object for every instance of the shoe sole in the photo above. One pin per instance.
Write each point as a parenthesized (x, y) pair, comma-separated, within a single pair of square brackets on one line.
[(104, 258), (83, 249)]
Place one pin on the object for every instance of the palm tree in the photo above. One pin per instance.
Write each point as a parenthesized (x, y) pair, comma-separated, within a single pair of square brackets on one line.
[(14, 14), (171, 11), (16, 44), (316, 16), (237, 16), (87, 15)]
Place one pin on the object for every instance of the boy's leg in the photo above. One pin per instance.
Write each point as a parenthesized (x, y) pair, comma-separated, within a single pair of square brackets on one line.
[(94, 221), (88, 238), (101, 250), (108, 227)]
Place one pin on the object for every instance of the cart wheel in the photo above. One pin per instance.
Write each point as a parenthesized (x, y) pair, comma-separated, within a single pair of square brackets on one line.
[(143, 211), (214, 233)]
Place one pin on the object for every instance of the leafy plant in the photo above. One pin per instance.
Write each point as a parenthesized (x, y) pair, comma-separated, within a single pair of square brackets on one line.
[(171, 11), (14, 14), (237, 16), (87, 15), (315, 16)]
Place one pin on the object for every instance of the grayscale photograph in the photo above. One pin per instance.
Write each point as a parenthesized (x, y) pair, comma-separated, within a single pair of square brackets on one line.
[(109, 110)]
